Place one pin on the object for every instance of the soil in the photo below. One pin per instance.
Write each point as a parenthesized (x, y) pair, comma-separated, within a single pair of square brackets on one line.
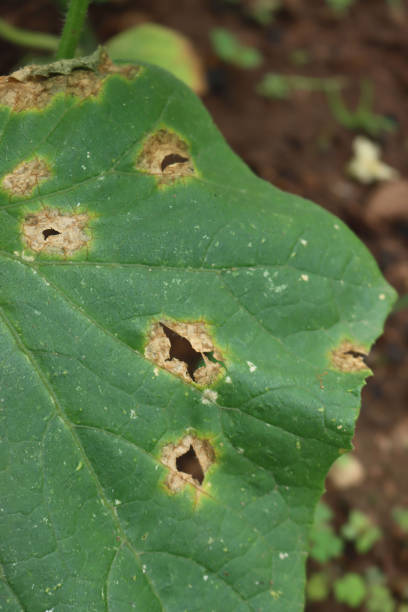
[(299, 146)]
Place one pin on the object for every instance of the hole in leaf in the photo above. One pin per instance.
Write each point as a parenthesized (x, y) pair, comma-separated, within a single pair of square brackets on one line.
[(189, 464), (166, 156), (181, 349), (173, 158), (186, 350), (349, 357), (188, 461), (356, 354), (50, 232)]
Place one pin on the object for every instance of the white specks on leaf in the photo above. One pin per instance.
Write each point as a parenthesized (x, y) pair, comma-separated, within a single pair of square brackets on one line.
[(283, 555), (381, 296), (304, 277), (209, 396), (252, 367), (24, 257)]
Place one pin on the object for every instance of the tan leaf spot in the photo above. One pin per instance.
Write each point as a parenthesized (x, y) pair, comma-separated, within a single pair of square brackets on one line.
[(166, 156), (34, 86), (187, 461), (349, 357), (26, 177), (186, 350), (51, 231)]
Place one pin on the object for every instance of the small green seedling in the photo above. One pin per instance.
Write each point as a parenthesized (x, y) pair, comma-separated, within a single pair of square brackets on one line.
[(318, 586), (400, 515), (350, 589), (361, 530), (228, 48), (362, 118), (340, 7), (379, 596), (280, 86), (182, 350), (380, 599), (261, 11), (324, 543)]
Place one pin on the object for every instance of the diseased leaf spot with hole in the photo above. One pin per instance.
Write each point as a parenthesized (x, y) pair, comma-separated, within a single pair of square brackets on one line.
[(349, 357), (186, 350), (51, 231), (188, 462), (34, 86), (26, 177), (166, 156)]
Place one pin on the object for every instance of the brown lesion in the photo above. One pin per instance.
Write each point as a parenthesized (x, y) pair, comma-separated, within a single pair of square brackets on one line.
[(25, 177), (349, 357), (186, 350), (188, 462), (166, 156), (52, 231), (28, 88)]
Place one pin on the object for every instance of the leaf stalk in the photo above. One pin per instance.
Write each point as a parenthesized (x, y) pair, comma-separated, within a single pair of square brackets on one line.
[(74, 23), (27, 38)]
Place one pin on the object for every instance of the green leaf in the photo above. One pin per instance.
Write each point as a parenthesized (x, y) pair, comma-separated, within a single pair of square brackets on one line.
[(162, 46), (282, 86), (340, 6), (318, 587), (400, 516), (380, 599), (350, 589), (324, 544), (228, 48), (134, 245), (361, 529)]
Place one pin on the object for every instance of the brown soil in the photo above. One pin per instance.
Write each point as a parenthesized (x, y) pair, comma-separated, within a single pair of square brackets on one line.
[(300, 147)]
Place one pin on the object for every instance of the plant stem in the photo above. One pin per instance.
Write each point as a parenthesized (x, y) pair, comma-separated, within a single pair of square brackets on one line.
[(26, 38), (74, 23)]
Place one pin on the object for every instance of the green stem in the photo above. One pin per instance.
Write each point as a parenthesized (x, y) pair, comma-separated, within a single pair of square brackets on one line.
[(26, 38), (74, 22)]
